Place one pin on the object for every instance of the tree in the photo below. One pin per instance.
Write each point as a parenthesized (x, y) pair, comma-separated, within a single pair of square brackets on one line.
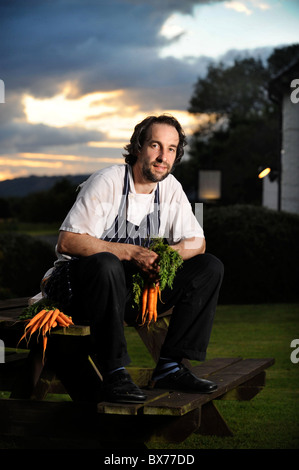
[(243, 130), (48, 206), (281, 58), (5, 210), (238, 92)]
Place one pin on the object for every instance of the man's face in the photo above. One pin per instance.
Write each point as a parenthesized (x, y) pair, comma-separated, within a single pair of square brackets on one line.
[(157, 155)]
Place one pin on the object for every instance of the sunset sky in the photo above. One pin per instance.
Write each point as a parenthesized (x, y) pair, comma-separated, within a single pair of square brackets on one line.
[(80, 74)]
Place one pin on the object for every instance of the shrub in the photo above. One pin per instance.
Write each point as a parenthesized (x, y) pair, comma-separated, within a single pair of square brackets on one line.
[(260, 251), (23, 262)]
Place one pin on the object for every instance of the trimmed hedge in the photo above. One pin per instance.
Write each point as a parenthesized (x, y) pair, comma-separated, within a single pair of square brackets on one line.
[(258, 247), (23, 262), (260, 251)]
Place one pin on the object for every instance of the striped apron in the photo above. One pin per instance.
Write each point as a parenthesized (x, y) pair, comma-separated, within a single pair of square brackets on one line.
[(123, 231)]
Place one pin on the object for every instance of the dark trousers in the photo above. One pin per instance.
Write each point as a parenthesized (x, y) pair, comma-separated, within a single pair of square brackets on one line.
[(102, 287)]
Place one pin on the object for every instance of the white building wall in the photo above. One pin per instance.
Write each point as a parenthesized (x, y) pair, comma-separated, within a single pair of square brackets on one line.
[(270, 193), (290, 156)]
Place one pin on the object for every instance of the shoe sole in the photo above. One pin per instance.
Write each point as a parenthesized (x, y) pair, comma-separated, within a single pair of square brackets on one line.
[(153, 386)]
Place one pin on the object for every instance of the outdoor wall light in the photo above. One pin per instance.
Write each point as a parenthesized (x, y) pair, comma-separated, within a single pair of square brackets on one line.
[(209, 185), (262, 172)]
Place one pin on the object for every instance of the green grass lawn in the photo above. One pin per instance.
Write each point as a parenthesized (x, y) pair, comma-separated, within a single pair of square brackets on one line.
[(271, 419)]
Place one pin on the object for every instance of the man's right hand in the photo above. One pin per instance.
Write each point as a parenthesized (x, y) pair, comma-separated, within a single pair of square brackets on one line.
[(147, 261), (76, 244)]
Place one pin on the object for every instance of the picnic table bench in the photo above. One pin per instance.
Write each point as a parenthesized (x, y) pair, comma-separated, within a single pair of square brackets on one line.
[(166, 415)]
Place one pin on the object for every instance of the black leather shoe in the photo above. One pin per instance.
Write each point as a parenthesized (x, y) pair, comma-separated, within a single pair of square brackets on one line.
[(184, 380), (119, 388)]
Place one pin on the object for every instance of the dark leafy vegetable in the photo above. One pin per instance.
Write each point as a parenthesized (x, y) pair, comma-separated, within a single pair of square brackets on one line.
[(32, 310), (169, 261)]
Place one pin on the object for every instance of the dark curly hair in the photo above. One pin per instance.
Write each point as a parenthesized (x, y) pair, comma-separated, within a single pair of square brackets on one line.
[(141, 131)]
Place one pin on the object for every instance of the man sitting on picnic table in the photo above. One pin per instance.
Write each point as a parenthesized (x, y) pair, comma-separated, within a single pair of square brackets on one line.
[(104, 240)]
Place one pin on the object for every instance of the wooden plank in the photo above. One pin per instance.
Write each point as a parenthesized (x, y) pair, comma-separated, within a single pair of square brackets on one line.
[(10, 333), (72, 330), (153, 335), (47, 419), (140, 375), (247, 390), (175, 404), (245, 369), (130, 409), (226, 379), (205, 368), (212, 422), (10, 325), (11, 316), (78, 422), (13, 357), (174, 429), (13, 303), (27, 378)]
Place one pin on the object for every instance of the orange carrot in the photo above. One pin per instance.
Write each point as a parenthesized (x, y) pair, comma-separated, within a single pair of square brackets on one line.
[(55, 314), (35, 318), (159, 294), (35, 327), (150, 296), (23, 337), (144, 302), (151, 302), (46, 317), (65, 318), (46, 327), (155, 314), (45, 341), (61, 321)]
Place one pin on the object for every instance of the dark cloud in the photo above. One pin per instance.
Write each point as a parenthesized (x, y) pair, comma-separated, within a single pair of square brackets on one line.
[(231, 55), (97, 44), (24, 137), (170, 86), (12, 109), (185, 6)]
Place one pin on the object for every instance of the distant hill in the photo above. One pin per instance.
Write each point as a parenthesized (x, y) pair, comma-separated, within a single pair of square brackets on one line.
[(20, 187)]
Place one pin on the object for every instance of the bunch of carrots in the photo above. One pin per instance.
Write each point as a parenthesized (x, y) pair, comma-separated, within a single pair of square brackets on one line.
[(43, 322), (146, 294), (149, 302)]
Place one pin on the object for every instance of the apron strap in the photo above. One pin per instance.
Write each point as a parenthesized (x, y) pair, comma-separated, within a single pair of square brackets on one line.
[(123, 231)]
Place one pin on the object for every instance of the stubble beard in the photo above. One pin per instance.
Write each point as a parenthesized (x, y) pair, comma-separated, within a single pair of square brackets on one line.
[(150, 176)]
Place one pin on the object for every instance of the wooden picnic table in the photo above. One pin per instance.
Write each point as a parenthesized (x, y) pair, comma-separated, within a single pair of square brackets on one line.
[(166, 415)]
